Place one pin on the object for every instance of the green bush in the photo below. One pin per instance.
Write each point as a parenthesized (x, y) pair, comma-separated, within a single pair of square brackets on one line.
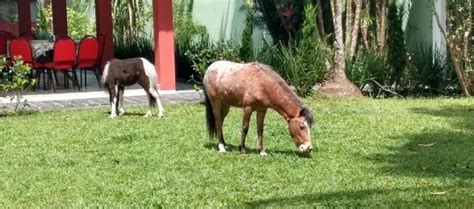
[(397, 53), (302, 64), (430, 73), (14, 81), (246, 49), (79, 24), (204, 52), (368, 72), (186, 32), (139, 47)]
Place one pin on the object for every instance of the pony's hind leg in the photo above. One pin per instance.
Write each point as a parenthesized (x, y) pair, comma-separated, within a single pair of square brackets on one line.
[(150, 105), (121, 110), (260, 122), (245, 128), (113, 100), (219, 114), (157, 98)]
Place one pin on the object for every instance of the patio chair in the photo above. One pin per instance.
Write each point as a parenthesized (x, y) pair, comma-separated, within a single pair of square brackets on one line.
[(5, 36), (21, 47), (87, 58), (64, 56)]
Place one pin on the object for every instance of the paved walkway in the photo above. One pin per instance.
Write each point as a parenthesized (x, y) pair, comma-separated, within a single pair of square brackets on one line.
[(132, 97)]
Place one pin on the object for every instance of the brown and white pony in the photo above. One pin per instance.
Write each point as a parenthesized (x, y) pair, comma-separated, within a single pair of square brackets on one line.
[(253, 87), (120, 73)]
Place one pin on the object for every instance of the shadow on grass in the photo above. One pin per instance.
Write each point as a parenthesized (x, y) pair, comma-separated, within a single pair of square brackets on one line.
[(233, 148), (434, 196), (446, 152)]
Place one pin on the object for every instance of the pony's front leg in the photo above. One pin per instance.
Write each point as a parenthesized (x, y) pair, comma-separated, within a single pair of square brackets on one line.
[(113, 101), (245, 128), (260, 122)]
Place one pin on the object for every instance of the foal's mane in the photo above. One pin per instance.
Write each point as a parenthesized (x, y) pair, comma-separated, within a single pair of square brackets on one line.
[(287, 90)]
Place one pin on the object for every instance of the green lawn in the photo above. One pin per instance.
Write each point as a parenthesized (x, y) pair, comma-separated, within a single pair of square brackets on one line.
[(397, 153)]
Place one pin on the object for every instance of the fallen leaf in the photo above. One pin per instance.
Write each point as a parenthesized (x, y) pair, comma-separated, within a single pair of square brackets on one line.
[(438, 193), (426, 145)]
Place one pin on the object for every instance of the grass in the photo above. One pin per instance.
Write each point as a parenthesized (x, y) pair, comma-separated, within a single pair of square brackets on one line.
[(382, 153)]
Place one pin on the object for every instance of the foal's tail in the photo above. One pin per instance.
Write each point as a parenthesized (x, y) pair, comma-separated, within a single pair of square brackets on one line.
[(105, 73), (211, 123)]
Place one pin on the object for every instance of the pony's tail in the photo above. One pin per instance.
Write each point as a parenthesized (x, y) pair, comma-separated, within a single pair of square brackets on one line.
[(210, 118), (103, 79)]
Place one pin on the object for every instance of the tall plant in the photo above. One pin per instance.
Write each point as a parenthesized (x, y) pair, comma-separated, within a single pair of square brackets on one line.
[(396, 44), (130, 18), (246, 50)]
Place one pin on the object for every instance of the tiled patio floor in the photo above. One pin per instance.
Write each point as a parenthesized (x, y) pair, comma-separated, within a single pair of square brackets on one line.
[(93, 96)]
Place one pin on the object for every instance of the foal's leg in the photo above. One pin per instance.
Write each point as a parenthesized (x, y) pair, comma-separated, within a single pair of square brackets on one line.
[(245, 128), (260, 120), (150, 104), (156, 96), (113, 100), (121, 110)]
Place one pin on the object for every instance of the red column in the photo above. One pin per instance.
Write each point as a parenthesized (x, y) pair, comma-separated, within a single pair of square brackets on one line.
[(164, 43), (59, 16), (24, 16), (104, 25)]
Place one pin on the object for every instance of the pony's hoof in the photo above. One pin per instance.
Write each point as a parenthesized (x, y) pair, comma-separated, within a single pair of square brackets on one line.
[(112, 116), (242, 150), (262, 152), (121, 112), (147, 115), (221, 148), (161, 115)]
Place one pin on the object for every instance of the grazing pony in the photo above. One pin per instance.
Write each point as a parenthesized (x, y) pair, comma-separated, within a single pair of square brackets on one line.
[(253, 87), (120, 73)]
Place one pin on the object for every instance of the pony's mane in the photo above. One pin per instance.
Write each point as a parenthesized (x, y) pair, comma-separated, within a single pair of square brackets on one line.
[(286, 88)]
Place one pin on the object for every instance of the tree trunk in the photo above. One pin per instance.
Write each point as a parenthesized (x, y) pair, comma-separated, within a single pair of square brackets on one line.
[(455, 58), (355, 29), (320, 21), (338, 84), (380, 22), (364, 23), (347, 34)]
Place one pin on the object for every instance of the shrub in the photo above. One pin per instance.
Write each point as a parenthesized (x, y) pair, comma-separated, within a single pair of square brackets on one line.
[(430, 73), (204, 52), (368, 72), (139, 47), (396, 44), (186, 32), (246, 50), (302, 64), (14, 81)]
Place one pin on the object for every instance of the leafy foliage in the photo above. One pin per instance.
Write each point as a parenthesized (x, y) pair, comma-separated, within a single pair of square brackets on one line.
[(283, 19), (246, 50), (204, 52), (186, 32), (302, 64), (79, 24), (396, 56), (14, 81)]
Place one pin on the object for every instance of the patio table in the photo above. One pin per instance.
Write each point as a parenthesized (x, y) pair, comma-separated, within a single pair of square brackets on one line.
[(40, 47)]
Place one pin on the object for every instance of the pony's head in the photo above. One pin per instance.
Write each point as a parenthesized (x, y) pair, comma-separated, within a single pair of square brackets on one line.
[(299, 128)]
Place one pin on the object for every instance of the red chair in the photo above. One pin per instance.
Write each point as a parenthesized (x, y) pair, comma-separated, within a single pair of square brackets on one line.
[(87, 57), (28, 36), (21, 47), (5, 36), (64, 57)]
